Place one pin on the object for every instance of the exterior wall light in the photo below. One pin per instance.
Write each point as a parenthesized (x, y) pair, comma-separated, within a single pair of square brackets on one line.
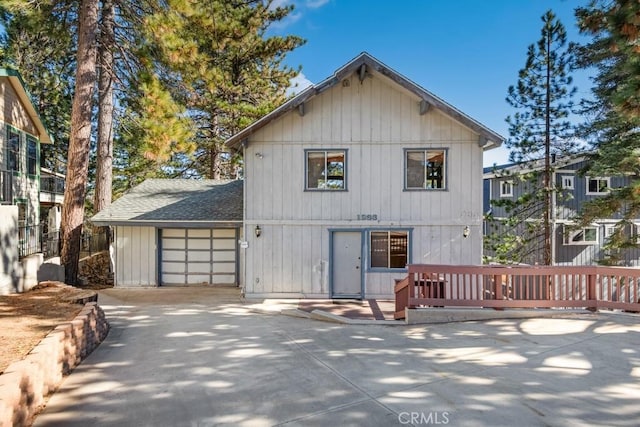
[(258, 231), (260, 155), (466, 231)]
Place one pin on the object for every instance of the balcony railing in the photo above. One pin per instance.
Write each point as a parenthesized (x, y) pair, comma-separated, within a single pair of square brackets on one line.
[(502, 287), (6, 187), (34, 239), (52, 184)]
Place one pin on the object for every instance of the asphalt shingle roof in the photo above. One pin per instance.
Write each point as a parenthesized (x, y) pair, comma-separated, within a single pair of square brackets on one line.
[(176, 200)]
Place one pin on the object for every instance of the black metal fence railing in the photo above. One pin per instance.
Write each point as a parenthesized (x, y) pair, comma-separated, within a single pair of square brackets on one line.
[(52, 184), (6, 186), (34, 239)]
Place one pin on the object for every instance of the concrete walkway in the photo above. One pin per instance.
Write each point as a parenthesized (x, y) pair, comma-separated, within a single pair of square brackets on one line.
[(194, 357)]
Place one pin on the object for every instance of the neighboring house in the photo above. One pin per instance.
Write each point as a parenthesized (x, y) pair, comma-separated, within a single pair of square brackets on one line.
[(353, 179), (21, 133), (570, 246), (176, 231)]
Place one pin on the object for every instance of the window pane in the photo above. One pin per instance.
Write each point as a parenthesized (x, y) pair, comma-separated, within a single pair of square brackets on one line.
[(398, 249), (590, 235), (602, 187), (415, 169), (435, 169), (13, 158), (335, 170), (33, 156), (315, 170), (379, 249)]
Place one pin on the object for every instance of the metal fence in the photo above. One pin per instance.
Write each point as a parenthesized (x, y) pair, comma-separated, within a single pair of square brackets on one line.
[(34, 239), (52, 184)]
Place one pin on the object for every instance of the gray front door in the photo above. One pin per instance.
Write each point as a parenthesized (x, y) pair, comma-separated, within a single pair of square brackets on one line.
[(346, 272)]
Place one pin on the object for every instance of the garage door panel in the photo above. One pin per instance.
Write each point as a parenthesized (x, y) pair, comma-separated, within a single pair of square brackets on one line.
[(199, 256), (228, 244), (173, 255), (224, 278), (193, 279), (225, 232), (199, 267), (173, 267), (226, 267), (199, 233), (173, 232), (224, 256), (173, 278), (173, 244), (199, 244)]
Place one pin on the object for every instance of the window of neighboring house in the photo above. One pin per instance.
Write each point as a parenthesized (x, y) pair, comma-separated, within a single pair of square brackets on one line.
[(32, 156), (581, 236), (567, 182), (389, 249), (506, 188), (326, 169), (598, 185), (609, 230), (425, 169), (13, 149)]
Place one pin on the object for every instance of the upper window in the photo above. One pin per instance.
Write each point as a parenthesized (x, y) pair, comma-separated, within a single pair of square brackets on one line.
[(326, 169), (13, 149), (567, 182), (389, 249), (425, 169), (32, 156), (598, 185), (581, 236), (506, 188)]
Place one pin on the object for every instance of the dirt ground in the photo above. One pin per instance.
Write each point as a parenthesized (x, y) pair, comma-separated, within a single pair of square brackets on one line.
[(28, 317)]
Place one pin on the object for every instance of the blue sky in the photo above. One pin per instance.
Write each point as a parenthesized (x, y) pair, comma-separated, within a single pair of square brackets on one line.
[(467, 52)]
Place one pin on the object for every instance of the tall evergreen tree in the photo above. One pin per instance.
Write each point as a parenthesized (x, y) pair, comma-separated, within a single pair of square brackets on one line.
[(539, 130), (613, 125), (223, 67)]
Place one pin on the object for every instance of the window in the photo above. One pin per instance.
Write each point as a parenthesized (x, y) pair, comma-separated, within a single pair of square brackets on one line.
[(598, 185), (13, 149), (567, 182), (326, 169), (506, 188), (389, 249), (425, 169), (581, 236), (32, 156), (609, 230)]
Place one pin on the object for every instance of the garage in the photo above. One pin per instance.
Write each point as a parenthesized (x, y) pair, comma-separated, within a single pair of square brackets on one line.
[(176, 232), (199, 256)]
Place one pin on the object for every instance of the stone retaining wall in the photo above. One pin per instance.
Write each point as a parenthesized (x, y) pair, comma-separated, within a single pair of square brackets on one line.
[(25, 384)]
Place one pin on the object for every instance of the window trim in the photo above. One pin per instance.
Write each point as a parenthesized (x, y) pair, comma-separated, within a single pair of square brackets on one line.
[(510, 193), (569, 234), (599, 178), (325, 150), (445, 174), (571, 178), (371, 269)]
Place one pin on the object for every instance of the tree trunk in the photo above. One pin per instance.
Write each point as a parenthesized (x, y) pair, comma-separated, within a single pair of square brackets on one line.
[(547, 161), (78, 157), (104, 160)]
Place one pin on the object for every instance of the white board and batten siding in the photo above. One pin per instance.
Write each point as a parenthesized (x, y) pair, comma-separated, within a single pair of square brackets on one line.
[(134, 253), (375, 121)]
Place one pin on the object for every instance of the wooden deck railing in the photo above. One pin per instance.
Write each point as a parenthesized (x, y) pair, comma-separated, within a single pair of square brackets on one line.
[(501, 287)]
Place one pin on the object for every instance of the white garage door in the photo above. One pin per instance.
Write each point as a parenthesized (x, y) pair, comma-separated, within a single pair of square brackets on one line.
[(198, 256)]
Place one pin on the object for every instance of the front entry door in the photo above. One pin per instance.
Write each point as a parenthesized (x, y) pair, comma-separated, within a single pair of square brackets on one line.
[(346, 272)]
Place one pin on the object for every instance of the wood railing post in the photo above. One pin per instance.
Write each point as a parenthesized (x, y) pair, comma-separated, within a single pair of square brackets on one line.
[(412, 289), (497, 280), (591, 291)]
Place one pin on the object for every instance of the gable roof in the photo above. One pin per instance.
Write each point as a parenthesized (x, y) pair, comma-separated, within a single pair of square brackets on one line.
[(498, 171), (364, 63), (181, 203), (15, 79)]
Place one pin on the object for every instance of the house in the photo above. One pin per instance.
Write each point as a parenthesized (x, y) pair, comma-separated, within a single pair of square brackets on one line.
[(344, 185), (353, 179), (21, 133), (175, 232), (570, 245)]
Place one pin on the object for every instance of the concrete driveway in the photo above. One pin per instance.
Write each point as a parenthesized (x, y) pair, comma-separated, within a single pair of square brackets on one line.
[(187, 357)]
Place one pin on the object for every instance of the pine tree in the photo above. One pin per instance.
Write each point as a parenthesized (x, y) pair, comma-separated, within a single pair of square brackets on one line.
[(223, 67), (539, 130), (613, 126)]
